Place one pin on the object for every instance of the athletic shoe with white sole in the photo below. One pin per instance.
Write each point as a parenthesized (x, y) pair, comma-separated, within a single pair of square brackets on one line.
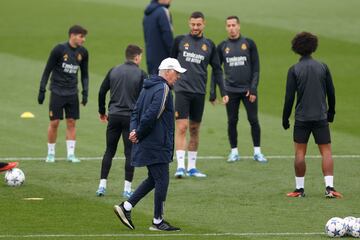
[(73, 159), (9, 166), (101, 192), (195, 173), (124, 216), (163, 226), (330, 192), (297, 193), (50, 158), (233, 158), (180, 173), (127, 194), (260, 158)]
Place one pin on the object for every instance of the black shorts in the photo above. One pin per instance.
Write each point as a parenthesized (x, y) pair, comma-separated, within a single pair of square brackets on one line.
[(189, 106), (319, 129), (59, 104)]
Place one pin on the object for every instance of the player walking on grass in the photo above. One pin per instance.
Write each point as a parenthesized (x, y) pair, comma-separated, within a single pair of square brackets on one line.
[(64, 62), (240, 58), (311, 82), (152, 132), (124, 82), (195, 53)]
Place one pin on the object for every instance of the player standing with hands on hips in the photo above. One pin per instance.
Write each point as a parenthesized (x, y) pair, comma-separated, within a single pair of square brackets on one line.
[(195, 53), (241, 66), (152, 132), (311, 82), (64, 62)]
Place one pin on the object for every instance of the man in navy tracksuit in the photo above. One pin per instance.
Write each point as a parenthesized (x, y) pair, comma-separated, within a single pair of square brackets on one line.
[(158, 33), (152, 132)]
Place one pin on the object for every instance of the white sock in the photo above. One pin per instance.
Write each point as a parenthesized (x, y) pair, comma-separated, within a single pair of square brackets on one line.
[(180, 157), (299, 182), (127, 206), (103, 183), (157, 221), (257, 150), (127, 186), (329, 181), (70, 145), (235, 151), (51, 148), (191, 160)]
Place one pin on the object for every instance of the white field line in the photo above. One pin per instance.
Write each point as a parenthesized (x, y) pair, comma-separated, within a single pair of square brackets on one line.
[(199, 157), (161, 235)]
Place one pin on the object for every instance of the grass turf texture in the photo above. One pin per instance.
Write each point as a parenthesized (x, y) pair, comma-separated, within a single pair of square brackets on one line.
[(240, 198)]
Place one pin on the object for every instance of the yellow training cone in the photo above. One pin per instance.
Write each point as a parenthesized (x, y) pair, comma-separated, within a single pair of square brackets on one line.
[(27, 115)]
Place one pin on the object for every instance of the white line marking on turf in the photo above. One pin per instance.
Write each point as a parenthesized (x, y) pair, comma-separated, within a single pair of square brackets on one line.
[(160, 235), (199, 157)]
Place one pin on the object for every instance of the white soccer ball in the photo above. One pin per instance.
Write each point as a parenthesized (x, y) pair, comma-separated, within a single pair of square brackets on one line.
[(14, 177), (349, 222), (335, 227), (355, 230)]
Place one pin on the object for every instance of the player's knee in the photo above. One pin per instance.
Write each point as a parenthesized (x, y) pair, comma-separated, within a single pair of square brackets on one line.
[(233, 121), (54, 124), (254, 121), (70, 123), (181, 129)]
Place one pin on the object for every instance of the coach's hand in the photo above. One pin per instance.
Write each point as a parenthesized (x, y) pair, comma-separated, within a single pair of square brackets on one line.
[(252, 98), (41, 97), (330, 117), (285, 123), (84, 100), (103, 118), (133, 136)]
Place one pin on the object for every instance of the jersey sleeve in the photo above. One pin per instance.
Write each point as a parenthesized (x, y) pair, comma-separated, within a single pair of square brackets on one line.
[(166, 29), (104, 88), (217, 73), (290, 93), (84, 66), (55, 54), (175, 47), (330, 91), (255, 67)]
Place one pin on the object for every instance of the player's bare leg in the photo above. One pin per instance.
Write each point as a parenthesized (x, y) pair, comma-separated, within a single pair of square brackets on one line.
[(328, 170), (300, 170), (52, 135), (182, 126), (194, 129), (71, 140)]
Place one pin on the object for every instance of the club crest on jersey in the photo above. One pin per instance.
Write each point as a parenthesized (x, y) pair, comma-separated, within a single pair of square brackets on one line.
[(243, 46), (176, 114), (51, 114), (227, 50), (204, 47), (186, 46), (79, 57), (65, 57)]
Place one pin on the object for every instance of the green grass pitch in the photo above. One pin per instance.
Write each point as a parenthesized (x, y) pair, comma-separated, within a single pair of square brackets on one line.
[(244, 200)]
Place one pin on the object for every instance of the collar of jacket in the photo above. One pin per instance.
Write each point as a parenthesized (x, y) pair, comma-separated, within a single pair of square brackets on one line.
[(196, 37), (235, 39), (130, 62), (305, 57)]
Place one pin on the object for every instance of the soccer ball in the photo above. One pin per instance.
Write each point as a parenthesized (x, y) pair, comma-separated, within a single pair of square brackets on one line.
[(14, 177), (335, 227), (355, 230), (349, 222)]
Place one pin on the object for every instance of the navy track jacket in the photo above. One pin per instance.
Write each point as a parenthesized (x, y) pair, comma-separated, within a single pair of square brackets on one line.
[(158, 34), (154, 123)]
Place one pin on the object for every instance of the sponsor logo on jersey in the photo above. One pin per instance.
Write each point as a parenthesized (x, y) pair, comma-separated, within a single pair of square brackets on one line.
[(204, 47), (193, 57), (69, 68), (79, 57), (65, 57), (243, 46), (236, 61), (186, 46), (227, 50)]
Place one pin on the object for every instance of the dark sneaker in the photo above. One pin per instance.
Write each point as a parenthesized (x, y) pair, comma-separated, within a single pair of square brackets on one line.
[(297, 193), (124, 216), (330, 192), (163, 226)]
